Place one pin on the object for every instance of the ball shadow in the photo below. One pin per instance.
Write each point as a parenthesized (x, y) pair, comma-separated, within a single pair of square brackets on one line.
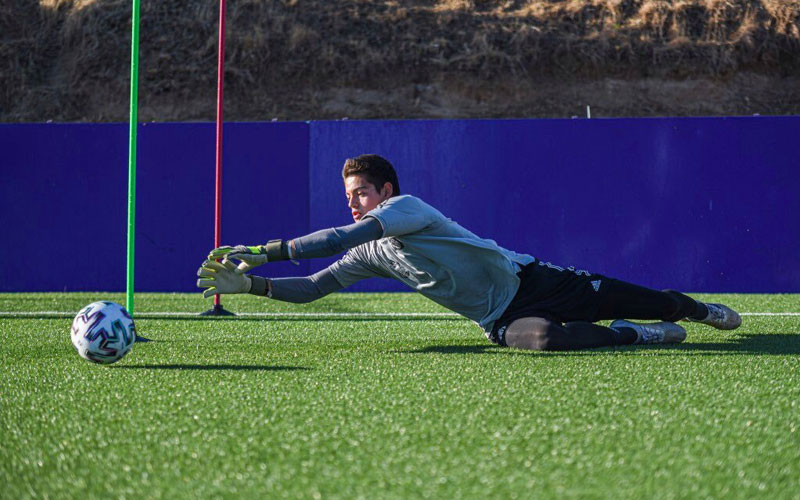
[(266, 368)]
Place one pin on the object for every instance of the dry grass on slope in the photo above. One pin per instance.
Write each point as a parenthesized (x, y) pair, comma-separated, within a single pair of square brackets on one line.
[(68, 59)]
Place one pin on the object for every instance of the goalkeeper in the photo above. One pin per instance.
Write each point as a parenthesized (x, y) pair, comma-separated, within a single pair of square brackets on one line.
[(518, 300)]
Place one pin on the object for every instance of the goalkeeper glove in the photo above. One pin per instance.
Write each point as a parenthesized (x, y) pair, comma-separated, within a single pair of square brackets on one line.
[(218, 278), (250, 257)]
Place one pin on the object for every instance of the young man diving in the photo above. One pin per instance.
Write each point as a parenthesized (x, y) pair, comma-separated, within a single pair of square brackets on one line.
[(518, 300)]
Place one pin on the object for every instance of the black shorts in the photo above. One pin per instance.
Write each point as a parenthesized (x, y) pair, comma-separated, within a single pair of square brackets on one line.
[(553, 293)]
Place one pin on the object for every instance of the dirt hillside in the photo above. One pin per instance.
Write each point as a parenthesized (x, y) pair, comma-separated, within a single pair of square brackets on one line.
[(68, 60)]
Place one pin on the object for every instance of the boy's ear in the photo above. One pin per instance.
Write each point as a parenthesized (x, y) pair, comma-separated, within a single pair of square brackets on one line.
[(388, 189)]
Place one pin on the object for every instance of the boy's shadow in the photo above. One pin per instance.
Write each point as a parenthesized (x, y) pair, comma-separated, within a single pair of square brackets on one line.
[(748, 343), (460, 349)]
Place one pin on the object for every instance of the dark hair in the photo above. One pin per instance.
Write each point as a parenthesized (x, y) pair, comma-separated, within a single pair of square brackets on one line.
[(377, 170)]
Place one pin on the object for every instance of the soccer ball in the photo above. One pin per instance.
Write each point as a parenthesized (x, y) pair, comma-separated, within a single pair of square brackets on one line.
[(103, 332)]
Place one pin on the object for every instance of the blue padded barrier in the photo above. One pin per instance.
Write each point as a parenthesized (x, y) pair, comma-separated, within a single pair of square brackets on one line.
[(697, 204)]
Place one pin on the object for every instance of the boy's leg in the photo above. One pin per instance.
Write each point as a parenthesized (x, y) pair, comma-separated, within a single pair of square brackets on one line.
[(629, 301), (550, 296), (540, 334), (566, 294), (625, 300)]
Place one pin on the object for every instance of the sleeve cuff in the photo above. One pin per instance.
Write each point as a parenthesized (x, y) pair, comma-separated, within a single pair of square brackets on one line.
[(259, 286)]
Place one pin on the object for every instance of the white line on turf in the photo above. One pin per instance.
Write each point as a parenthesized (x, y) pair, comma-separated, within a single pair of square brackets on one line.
[(318, 315), (769, 314)]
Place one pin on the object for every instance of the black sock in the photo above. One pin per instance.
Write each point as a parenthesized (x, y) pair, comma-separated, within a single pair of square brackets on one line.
[(700, 312), (624, 335)]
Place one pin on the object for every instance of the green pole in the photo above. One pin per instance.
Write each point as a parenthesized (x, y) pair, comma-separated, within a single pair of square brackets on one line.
[(132, 152)]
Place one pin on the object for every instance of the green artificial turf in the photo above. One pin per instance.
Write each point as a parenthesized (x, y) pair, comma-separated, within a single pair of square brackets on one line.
[(359, 407)]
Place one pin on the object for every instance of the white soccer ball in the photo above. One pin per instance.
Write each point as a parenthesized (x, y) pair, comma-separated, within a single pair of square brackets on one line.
[(103, 332)]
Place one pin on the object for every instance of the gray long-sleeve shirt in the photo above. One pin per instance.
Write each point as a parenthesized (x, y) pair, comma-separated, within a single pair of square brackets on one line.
[(323, 243), (418, 246)]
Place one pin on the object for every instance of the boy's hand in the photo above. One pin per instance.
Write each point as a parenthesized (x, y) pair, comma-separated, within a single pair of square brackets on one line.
[(222, 278), (247, 257)]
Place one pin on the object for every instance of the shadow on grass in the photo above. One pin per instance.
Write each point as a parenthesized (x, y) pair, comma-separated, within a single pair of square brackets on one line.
[(749, 343), (293, 319), (462, 349), (263, 368), (298, 317), (377, 317)]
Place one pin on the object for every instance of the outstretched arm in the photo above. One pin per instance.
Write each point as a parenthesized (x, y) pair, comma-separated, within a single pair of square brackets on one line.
[(318, 244), (222, 278), (297, 290), (335, 240)]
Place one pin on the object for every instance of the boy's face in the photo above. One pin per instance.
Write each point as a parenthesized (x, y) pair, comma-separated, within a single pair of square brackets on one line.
[(362, 195)]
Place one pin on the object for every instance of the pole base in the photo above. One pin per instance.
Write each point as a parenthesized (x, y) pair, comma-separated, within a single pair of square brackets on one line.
[(218, 310)]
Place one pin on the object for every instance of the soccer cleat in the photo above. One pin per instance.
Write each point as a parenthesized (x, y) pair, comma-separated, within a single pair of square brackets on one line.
[(720, 317), (653, 333)]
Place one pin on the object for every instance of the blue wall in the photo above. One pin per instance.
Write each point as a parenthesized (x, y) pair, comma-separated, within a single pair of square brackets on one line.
[(698, 204)]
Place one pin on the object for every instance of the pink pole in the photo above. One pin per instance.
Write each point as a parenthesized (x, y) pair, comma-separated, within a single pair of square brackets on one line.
[(220, 85)]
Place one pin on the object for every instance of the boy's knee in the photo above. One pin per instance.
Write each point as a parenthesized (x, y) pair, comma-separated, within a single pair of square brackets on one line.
[(529, 333)]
